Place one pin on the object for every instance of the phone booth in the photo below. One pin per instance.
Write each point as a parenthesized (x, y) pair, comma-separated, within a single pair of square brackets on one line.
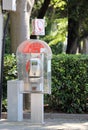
[(34, 69), (34, 66)]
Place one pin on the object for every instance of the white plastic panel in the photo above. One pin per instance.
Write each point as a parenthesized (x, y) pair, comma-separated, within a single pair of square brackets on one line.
[(9, 5), (15, 100)]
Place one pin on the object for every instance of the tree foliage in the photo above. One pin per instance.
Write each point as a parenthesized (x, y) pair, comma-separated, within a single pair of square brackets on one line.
[(77, 23), (55, 15)]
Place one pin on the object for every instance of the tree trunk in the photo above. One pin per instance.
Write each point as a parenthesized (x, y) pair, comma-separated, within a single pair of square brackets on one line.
[(73, 27), (43, 9), (19, 26), (85, 46), (73, 35), (20, 31)]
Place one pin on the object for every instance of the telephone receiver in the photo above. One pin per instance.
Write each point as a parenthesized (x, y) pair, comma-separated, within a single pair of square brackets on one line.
[(33, 67)]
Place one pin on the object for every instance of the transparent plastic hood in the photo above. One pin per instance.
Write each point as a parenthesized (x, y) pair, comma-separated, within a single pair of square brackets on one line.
[(34, 66)]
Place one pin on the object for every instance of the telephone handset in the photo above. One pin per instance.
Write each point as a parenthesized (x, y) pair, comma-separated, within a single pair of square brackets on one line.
[(35, 68)]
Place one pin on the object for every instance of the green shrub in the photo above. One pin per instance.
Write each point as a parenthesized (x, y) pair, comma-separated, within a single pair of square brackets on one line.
[(69, 84), (10, 71)]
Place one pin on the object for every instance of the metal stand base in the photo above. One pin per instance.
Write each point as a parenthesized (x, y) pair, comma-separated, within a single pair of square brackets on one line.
[(15, 100), (37, 108), (15, 103)]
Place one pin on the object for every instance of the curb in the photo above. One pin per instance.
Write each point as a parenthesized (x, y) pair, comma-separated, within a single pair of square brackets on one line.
[(53, 116)]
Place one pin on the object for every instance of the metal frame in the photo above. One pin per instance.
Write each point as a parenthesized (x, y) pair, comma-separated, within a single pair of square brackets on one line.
[(1, 59)]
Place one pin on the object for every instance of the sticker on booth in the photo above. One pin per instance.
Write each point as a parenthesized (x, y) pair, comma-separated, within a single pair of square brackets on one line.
[(38, 27)]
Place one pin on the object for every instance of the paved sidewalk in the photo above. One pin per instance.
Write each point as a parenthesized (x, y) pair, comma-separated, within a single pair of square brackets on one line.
[(52, 122)]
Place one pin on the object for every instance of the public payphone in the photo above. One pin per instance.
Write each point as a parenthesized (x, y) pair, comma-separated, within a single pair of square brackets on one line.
[(34, 77), (34, 66)]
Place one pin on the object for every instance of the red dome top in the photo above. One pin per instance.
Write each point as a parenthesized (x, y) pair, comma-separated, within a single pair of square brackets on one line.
[(34, 46), (30, 47)]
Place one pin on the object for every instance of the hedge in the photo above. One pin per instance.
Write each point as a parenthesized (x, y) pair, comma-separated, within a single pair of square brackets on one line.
[(69, 82), (10, 71)]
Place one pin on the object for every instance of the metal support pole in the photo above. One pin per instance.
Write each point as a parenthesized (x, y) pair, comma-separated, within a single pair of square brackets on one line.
[(1, 47), (2, 50), (37, 108)]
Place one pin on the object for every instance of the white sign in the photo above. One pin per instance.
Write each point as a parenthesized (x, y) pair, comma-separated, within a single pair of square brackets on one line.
[(9, 5), (38, 27)]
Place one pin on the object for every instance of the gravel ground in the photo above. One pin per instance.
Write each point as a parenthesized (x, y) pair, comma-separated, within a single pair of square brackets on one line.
[(52, 122)]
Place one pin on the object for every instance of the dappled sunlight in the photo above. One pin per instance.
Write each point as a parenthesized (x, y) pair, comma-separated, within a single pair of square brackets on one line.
[(79, 126), (50, 124), (68, 126)]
